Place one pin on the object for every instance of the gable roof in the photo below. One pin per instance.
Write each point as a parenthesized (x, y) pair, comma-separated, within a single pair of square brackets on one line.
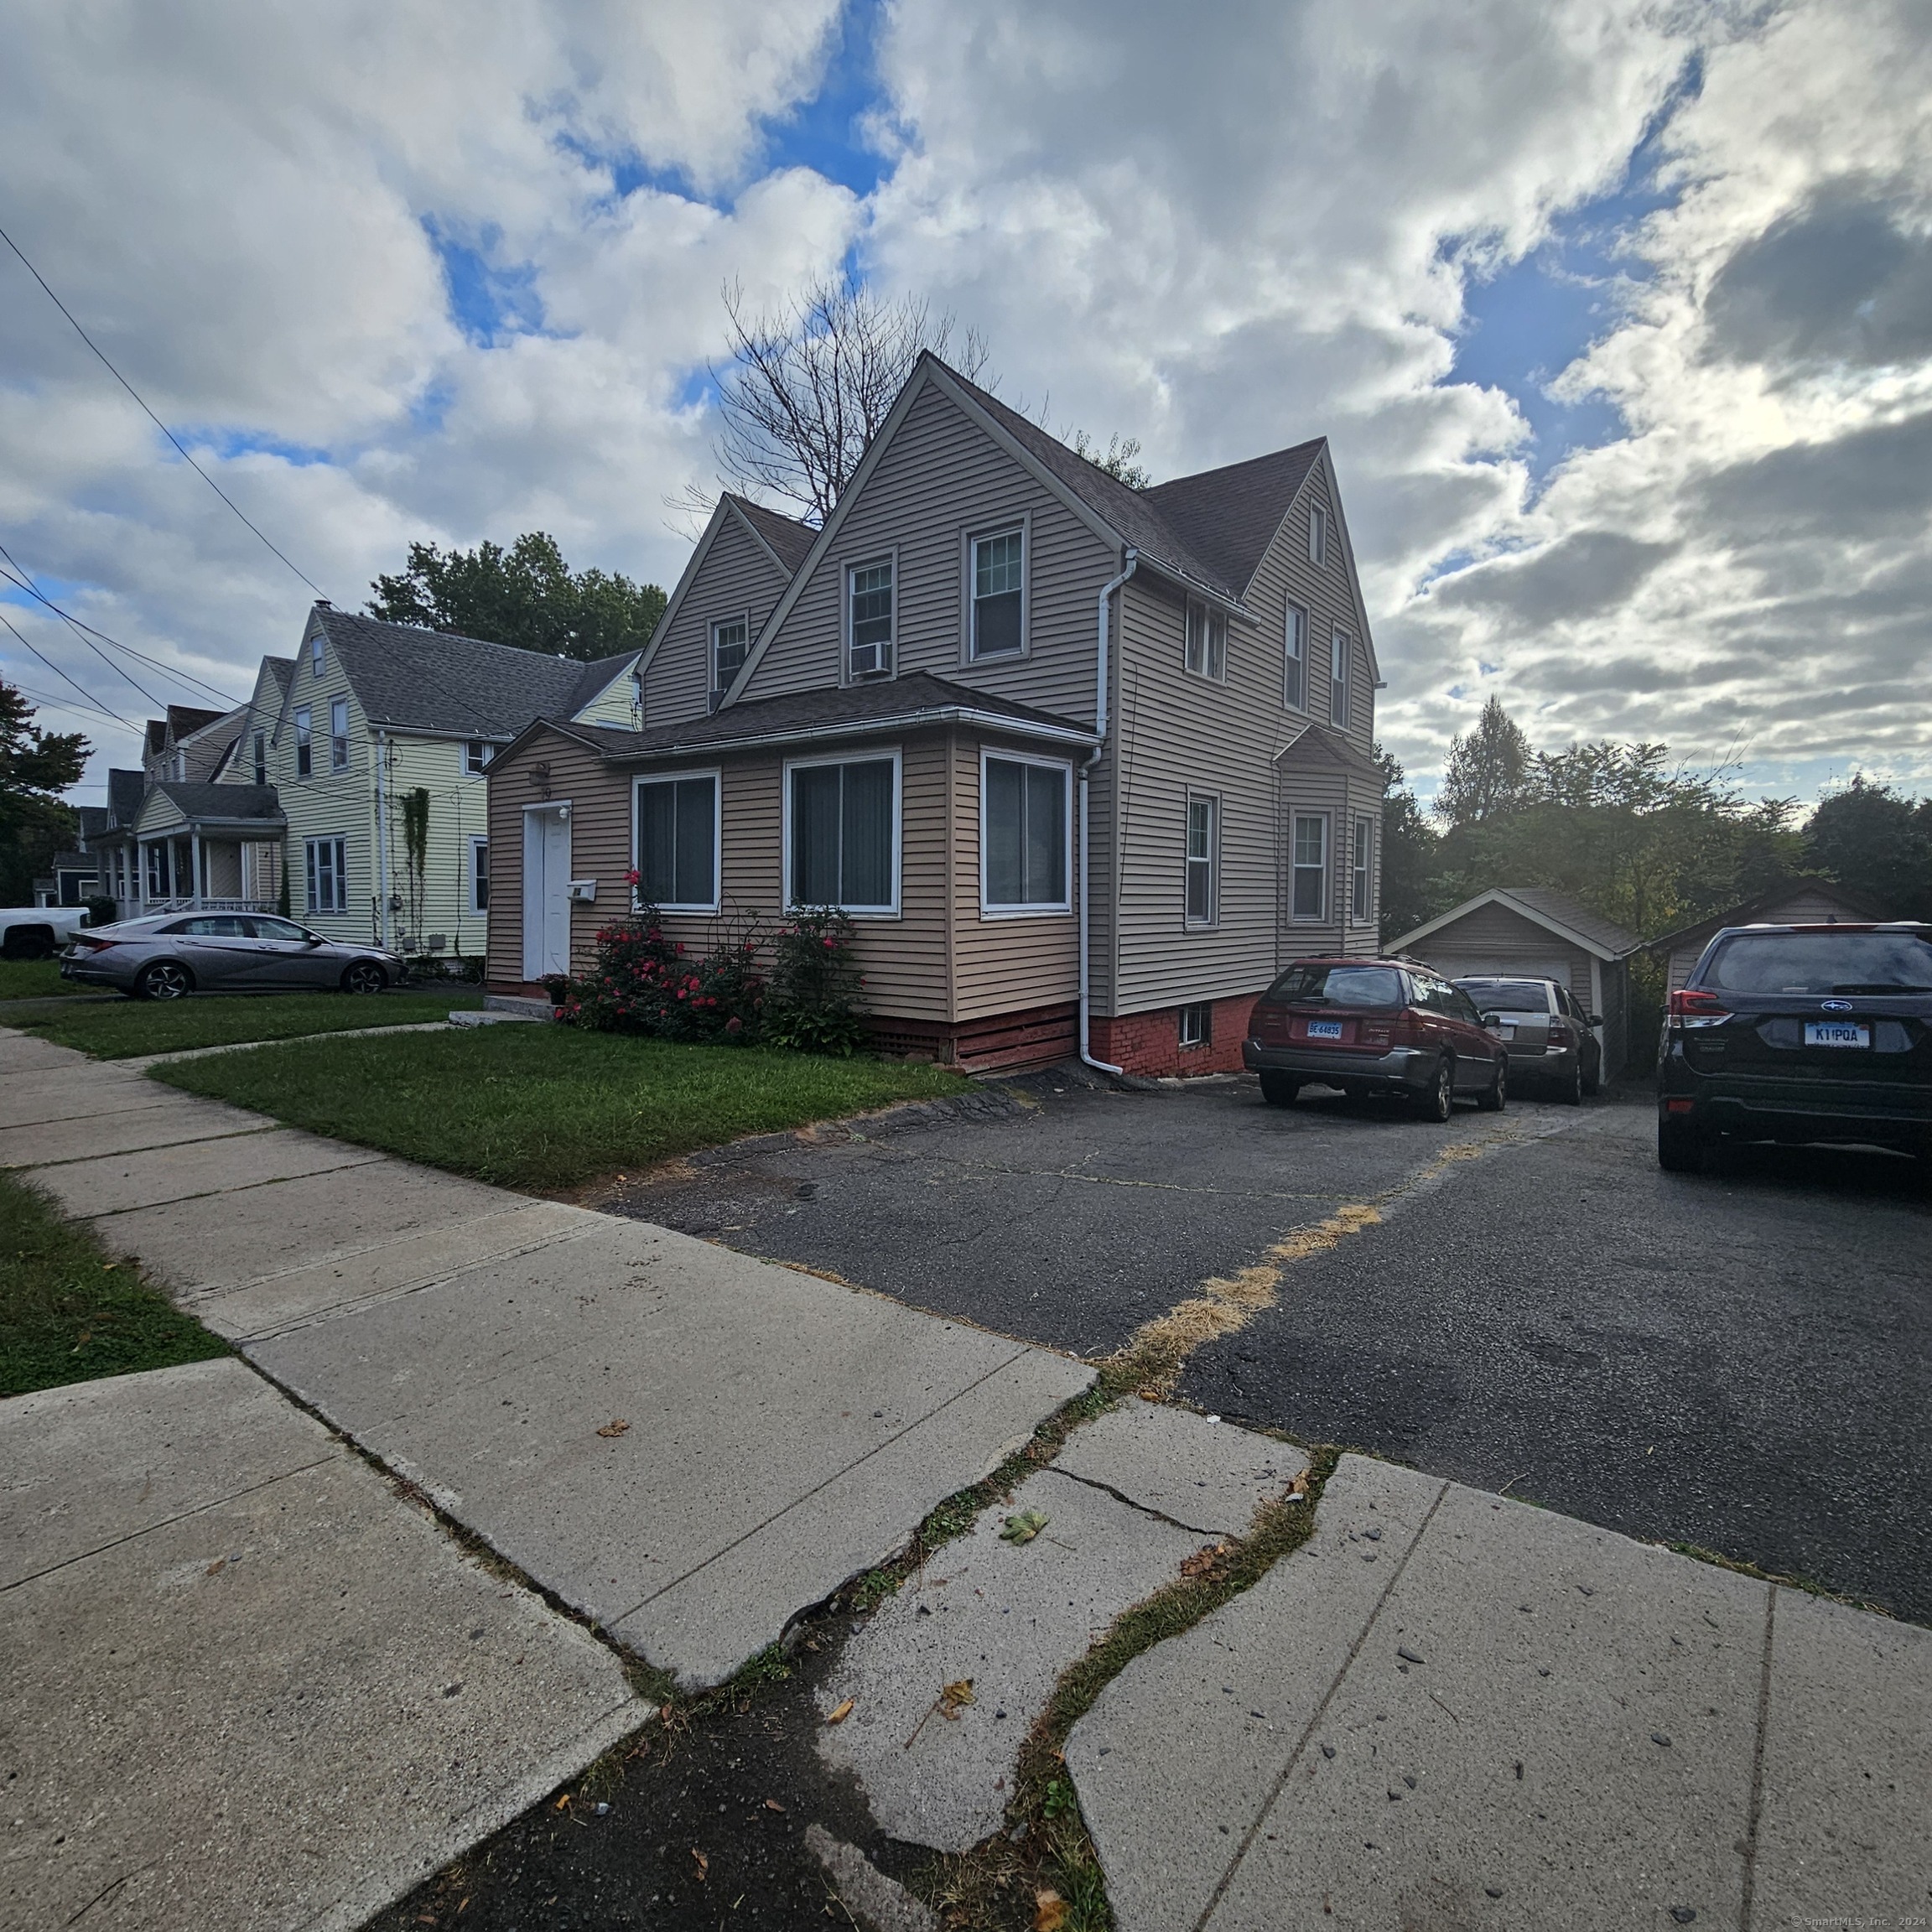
[(787, 539), (1554, 911), (826, 712), (1227, 518), (228, 803), (125, 789), (1808, 885), (439, 681)]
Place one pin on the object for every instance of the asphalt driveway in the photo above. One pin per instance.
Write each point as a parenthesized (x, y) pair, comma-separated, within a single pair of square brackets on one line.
[(1735, 1360)]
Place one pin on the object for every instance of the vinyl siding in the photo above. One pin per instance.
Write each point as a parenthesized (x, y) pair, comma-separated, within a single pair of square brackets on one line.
[(904, 959), (736, 576), (1494, 937), (614, 704), (941, 479)]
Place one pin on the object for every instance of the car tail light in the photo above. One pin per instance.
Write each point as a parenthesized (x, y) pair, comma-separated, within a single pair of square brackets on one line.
[(1405, 1028), (1692, 1006), (93, 944), (1560, 1034)]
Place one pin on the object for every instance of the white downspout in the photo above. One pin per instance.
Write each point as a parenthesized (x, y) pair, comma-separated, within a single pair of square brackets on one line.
[(1130, 564), (381, 849)]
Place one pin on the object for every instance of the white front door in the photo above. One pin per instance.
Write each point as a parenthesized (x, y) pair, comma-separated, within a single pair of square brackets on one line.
[(546, 891)]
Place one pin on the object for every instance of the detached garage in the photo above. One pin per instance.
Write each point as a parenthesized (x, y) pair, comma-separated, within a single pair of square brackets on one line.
[(1535, 933)]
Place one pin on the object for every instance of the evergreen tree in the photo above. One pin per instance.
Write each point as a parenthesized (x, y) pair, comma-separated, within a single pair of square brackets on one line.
[(35, 767), (526, 596), (1488, 771), (1411, 891)]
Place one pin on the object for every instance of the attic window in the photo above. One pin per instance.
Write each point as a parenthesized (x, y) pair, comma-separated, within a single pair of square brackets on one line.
[(1317, 535), (315, 654), (1206, 641), (730, 643), (477, 755)]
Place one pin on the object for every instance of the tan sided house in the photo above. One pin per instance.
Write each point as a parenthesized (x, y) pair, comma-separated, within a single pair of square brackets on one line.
[(1085, 764)]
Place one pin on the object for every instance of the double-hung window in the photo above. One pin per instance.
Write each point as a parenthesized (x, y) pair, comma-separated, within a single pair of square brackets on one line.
[(1309, 886), (1338, 680), (730, 640), (1359, 880), (338, 734), (315, 654), (677, 843), (999, 590), (479, 874), (328, 885), (1023, 843), (260, 757), (477, 755), (868, 598), (1317, 535), (1207, 653), (842, 834), (1295, 659), (304, 741), (1203, 857)]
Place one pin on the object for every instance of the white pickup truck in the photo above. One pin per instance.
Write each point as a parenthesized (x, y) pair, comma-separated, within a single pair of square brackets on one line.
[(38, 932)]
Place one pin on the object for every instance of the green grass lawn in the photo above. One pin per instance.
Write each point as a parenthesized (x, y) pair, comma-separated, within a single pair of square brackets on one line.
[(36, 979), (128, 1027), (544, 1107), (68, 1313)]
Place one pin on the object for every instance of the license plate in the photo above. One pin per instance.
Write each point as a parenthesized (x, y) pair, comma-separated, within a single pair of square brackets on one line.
[(1324, 1029), (1835, 1033)]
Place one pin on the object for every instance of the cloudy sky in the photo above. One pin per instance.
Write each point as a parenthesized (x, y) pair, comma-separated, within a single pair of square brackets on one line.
[(1618, 315)]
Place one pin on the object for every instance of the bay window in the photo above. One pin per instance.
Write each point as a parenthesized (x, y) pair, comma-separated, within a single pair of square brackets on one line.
[(842, 834), (1024, 827)]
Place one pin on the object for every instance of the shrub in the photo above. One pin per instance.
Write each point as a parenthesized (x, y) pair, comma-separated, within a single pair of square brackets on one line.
[(102, 910), (813, 1003), (642, 982)]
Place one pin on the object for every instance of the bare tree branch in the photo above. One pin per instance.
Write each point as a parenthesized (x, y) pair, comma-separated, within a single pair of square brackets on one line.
[(807, 388)]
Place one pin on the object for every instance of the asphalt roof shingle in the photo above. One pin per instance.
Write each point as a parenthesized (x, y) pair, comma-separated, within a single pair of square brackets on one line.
[(1566, 911), (821, 710), (790, 539), (440, 681), (223, 801)]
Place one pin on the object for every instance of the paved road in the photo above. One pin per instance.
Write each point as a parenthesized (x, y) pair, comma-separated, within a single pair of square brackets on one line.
[(1735, 1360)]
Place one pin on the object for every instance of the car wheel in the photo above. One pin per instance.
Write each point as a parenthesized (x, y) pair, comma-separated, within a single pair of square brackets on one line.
[(164, 979), (1679, 1147), (1570, 1091), (1593, 1080), (1438, 1099), (364, 976), (1497, 1096), (1278, 1090)]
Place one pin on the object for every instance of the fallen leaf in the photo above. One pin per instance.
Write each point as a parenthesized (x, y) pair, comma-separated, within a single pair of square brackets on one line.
[(703, 1864), (1024, 1526), (615, 1427), (1298, 1487), (841, 1712), (955, 1697), (1201, 1561), (215, 1567), (1049, 1912)]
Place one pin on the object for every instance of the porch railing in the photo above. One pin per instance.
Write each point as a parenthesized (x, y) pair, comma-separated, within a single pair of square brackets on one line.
[(202, 904)]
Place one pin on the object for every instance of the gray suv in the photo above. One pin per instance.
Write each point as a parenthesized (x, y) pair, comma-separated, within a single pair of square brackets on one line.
[(168, 954), (1548, 1034)]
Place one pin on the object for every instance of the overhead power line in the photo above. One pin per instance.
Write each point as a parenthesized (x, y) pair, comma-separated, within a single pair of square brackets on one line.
[(152, 417), (16, 575), (91, 699), (42, 698)]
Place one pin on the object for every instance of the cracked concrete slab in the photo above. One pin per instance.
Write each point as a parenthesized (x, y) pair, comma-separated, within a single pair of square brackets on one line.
[(1202, 1472), (161, 1175), (1011, 1616), (265, 1691), (87, 1091), (779, 1434), (47, 1142)]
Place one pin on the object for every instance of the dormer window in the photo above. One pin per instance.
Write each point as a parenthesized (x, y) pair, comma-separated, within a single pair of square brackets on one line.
[(1207, 653), (730, 640), (868, 598), (1317, 535), (315, 654)]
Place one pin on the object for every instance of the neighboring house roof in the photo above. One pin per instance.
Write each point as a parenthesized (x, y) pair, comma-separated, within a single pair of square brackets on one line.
[(281, 669), (93, 819), (125, 789), (413, 679), (1753, 912), (787, 539), (1554, 911), (233, 804), (831, 711)]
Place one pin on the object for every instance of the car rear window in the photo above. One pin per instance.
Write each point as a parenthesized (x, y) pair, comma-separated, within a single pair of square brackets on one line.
[(1339, 985), (1508, 996), (1820, 962)]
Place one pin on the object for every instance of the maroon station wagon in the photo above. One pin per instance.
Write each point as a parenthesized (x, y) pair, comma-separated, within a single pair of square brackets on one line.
[(1375, 1026)]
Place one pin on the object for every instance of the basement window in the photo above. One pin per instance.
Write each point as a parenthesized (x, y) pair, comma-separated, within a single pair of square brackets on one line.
[(1198, 1024)]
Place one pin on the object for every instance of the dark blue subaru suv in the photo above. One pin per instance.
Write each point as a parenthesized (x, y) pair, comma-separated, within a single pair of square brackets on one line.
[(1799, 1033)]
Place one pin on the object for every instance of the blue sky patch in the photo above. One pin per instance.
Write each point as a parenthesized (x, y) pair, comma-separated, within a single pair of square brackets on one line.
[(824, 133), (488, 301)]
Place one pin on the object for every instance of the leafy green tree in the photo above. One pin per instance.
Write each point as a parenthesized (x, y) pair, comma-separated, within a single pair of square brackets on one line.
[(1877, 842), (1488, 771), (35, 767), (1412, 890), (526, 596)]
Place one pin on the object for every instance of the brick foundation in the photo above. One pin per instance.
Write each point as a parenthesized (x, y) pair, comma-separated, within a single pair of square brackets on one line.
[(1150, 1042)]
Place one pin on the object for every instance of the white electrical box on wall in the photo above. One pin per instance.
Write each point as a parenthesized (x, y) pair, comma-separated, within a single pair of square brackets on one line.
[(585, 888)]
